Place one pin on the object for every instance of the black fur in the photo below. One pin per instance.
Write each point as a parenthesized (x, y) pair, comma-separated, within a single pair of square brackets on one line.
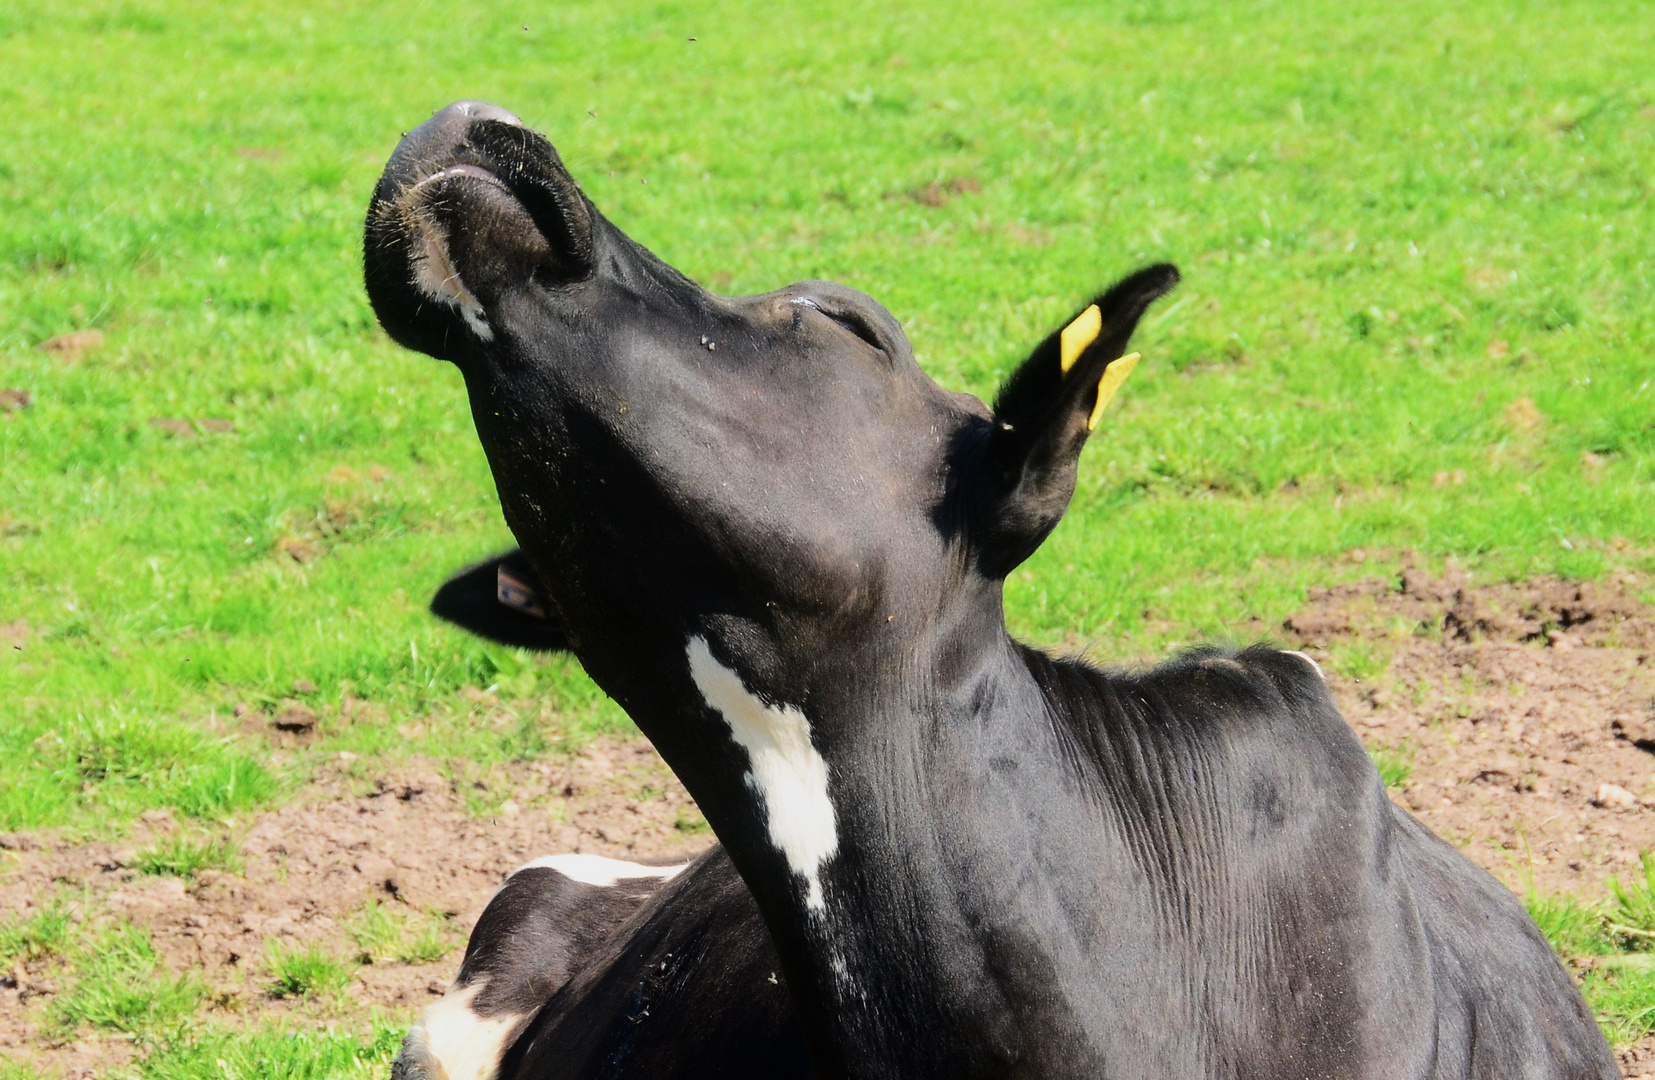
[(690, 985)]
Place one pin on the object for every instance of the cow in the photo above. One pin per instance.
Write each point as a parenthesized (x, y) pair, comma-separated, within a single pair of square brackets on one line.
[(781, 548)]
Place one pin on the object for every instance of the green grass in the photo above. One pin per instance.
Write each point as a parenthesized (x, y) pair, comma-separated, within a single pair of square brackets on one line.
[(20, 1070), (428, 941), (119, 764), (1574, 927), (1632, 907), (1360, 660), (1622, 994), (383, 932), (120, 985), (1396, 221), (378, 931), (184, 856), (1610, 943), (306, 970), (1395, 763), (115, 985), (46, 931), (277, 1053)]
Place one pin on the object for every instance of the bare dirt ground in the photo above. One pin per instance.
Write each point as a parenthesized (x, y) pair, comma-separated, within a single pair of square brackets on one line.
[(1527, 710), (409, 838)]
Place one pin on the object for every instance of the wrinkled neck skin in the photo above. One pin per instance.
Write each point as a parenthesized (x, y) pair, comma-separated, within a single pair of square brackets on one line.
[(895, 889)]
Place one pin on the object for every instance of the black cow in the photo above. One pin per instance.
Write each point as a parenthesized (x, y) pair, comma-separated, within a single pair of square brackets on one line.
[(781, 548)]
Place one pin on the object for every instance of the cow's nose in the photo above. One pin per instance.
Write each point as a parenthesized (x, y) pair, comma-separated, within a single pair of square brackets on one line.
[(467, 111)]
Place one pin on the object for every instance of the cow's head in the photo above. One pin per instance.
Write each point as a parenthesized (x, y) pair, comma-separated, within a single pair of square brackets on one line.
[(771, 474)]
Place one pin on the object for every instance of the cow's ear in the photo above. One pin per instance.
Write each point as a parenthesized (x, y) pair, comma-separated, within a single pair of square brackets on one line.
[(501, 600), (1043, 415)]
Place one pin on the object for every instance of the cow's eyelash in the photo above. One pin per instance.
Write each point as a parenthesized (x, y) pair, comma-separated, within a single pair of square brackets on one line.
[(849, 320)]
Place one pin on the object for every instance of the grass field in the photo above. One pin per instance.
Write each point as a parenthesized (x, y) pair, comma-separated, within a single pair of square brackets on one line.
[(1417, 246)]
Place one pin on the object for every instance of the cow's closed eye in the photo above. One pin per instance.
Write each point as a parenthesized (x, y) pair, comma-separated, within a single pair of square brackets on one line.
[(850, 321)]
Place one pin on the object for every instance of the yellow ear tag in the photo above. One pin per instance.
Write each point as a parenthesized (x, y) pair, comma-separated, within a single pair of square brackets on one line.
[(1079, 334), (1113, 376)]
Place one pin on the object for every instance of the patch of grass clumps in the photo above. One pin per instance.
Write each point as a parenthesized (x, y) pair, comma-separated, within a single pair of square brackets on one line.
[(276, 1052), (688, 819), (21, 1070), (46, 931), (428, 941), (306, 970), (377, 931), (1621, 993), (1395, 763), (185, 856), (1610, 945), (1632, 907), (1363, 661), (120, 765), (384, 933), (1574, 927), (163, 763), (118, 984)]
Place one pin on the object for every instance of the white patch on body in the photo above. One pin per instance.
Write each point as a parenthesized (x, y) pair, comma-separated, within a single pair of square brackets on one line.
[(451, 1042), (597, 870), (435, 276), (784, 769), (1306, 658)]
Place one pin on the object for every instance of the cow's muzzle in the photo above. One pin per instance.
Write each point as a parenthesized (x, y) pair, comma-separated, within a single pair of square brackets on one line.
[(471, 204)]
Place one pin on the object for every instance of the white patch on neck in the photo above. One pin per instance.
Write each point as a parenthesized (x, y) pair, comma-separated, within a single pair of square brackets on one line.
[(1306, 658), (437, 279), (597, 870), (451, 1042), (790, 777)]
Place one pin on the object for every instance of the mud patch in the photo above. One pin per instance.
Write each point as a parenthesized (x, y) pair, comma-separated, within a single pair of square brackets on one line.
[(427, 844), (1527, 712)]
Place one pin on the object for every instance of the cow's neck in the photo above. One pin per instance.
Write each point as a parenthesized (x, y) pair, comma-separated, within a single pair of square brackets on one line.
[(941, 776)]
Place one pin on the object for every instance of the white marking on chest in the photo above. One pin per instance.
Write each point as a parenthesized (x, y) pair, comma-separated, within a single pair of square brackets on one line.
[(597, 870), (451, 1042), (784, 769)]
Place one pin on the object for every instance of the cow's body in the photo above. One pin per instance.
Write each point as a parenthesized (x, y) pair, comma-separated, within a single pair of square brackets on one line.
[(642, 977), (780, 547)]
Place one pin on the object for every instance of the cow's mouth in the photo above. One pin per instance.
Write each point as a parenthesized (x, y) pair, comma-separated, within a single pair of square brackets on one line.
[(471, 205), (447, 171), (430, 258)]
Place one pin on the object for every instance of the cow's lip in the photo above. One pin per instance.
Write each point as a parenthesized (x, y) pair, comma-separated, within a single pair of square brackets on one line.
[(476, 172)]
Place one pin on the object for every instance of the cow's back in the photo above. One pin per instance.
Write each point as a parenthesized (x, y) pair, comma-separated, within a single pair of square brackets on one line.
[(1506, 1008)]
